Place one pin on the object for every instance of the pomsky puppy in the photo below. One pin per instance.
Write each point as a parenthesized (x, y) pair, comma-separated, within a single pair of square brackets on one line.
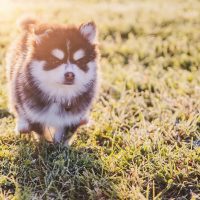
[(52, 73)]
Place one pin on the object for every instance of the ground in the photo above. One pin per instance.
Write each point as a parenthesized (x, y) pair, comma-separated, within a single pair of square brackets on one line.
[(144, 142)]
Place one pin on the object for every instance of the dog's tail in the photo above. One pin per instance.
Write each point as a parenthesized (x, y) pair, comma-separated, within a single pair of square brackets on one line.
[(25, 23)]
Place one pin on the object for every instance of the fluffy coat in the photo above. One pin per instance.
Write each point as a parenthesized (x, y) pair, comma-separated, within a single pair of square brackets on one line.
[(52, 73)]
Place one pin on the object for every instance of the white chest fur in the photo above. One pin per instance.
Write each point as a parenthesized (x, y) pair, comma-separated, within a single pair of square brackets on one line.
[(51, 117)]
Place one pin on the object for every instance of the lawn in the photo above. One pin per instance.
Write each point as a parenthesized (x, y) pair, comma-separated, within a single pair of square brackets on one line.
[(144, 140)]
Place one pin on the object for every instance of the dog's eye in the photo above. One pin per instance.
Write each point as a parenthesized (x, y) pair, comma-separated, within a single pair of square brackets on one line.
[(79, 61), (54, 61)]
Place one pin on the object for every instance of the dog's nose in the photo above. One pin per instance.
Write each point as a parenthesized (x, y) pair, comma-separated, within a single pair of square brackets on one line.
[(69, 76)]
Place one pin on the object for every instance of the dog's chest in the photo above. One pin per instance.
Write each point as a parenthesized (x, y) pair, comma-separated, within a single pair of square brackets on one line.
[(56, 115)]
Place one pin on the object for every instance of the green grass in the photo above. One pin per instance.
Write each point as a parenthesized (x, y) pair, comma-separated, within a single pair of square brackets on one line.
[(142, 144)]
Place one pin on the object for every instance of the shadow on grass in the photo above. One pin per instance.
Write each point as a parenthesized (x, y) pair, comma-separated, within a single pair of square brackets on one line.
[(48, 171), (4, 113)]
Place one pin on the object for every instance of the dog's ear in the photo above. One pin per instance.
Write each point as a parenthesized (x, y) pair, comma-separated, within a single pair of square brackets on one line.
[(26, 23), (39, 36), (89, 31)]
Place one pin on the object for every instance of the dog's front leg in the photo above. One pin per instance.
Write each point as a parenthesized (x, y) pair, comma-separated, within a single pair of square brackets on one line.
[(22, 125), (64, 135), (59, 134)]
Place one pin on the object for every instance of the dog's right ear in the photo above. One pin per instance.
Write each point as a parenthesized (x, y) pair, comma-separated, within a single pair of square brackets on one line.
[(27, 23), (30, 25)]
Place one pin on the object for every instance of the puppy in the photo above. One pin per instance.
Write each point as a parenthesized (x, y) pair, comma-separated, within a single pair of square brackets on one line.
[(52, 73)]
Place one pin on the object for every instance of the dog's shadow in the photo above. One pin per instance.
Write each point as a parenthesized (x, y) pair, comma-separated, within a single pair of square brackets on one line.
[(4, 113), (52, 171)]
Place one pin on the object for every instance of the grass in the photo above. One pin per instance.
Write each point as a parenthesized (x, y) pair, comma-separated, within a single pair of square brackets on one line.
[(144, 140)]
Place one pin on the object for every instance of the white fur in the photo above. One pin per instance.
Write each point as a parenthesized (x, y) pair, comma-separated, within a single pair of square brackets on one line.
[(51, 117), (58, 135), (51, 82), (89, 32), (21, 126), (79, 54), (58, 54)]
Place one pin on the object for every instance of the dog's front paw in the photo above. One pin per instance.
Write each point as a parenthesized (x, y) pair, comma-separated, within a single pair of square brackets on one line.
[(58, 135), (22, 126), (68, 142)]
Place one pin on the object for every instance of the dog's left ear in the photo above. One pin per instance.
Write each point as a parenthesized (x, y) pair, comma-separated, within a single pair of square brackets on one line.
[(89, 31)]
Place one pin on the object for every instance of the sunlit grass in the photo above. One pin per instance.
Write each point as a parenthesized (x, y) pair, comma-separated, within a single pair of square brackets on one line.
[(144, 140)]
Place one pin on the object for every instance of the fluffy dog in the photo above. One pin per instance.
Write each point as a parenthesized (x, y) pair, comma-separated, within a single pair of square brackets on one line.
[(52, 72)]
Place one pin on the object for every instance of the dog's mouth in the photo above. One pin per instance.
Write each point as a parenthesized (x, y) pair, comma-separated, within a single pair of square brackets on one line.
[(68, 82)]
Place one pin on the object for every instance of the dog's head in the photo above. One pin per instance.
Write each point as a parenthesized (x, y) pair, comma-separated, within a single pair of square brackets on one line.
[(63, 58)]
